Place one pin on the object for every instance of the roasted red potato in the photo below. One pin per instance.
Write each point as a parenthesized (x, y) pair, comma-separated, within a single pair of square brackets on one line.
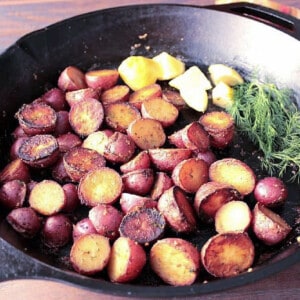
[(37, 118), (208, 156), (57, 231), (138, 182), (86, 116), (270, 191), (126, 261), (145, 93), (71, 79), (90, 253), (25, 221), (190, 174), (175, 261), (147, 133), (143, 225), (55, 98), (68, 141), (118, 116), (129, 202), (268, 226), (78, 161), (233, 216), (233, 172), (97, 140), (59, 173), (16, 169), (39, 151), (211, 196), (118, 93), (18, 132), (177, 210), (75, 96), (100, 186), (72, 199), (104, 79), (161, 110), (174, 98), (13, 193), (62, 124), (106, 220), (47, 197), (220, 126), (140, 161), (82, 227), (14, 149), (228, 254), (192, 136), (165, 159), (162, 183), (119, 148)]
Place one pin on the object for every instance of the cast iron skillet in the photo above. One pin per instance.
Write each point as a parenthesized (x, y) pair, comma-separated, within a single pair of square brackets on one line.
[(225, 34)]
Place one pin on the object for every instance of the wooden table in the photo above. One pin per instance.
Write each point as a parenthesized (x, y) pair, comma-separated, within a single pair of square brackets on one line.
[(19, 17)]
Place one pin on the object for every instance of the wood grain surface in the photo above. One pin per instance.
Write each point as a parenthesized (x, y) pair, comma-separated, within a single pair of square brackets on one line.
[(19, 17)]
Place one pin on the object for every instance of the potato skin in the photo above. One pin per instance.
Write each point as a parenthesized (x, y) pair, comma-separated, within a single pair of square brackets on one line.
[(165, 254), (127, 260)]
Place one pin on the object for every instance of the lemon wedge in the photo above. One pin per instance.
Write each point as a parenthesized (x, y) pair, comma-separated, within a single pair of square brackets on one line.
[(195, 97), (190, 78), (222, 95), (138, 71), (169, 66), (223, 73)]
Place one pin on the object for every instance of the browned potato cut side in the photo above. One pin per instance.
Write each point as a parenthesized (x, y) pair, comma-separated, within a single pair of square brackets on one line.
[(71, 78), (211, 196), (39, 151), (143, 225), (177, 210), (268, 226), (78, 161), (175, 261), (103, 185), (90, 253), (97, 140), (165, 159), (233, 216), (220, 126), (104, 78), (127, 260), (174, 98), (161, 110), (47, 197), (233, 172), (118, 93), (37, 118), (147, 133), (118, 116), (190, 174), (228, 254), (145, 93), (16, 169), (86, 116)]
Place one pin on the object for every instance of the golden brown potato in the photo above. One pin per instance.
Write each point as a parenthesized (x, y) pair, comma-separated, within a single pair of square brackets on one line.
[(175, 261), (228, 254)]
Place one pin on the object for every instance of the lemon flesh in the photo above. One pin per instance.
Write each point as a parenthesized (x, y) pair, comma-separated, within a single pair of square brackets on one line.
[(223, 73)]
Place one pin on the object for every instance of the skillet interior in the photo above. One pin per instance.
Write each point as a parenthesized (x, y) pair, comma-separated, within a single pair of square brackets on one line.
[(102, 39)]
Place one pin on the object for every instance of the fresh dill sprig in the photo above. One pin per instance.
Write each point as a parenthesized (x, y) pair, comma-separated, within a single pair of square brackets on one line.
[(268, 116)]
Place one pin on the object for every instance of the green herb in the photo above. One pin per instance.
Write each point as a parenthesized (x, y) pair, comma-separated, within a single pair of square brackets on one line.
[(268, 116)]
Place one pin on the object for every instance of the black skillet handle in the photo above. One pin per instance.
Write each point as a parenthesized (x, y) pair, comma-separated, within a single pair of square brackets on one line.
[(281, 21)]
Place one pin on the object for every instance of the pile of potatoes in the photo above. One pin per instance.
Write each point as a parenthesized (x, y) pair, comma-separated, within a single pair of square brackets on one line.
[(105, 147)]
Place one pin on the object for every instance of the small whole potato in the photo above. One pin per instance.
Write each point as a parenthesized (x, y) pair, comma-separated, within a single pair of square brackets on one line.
[(270, 191)]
